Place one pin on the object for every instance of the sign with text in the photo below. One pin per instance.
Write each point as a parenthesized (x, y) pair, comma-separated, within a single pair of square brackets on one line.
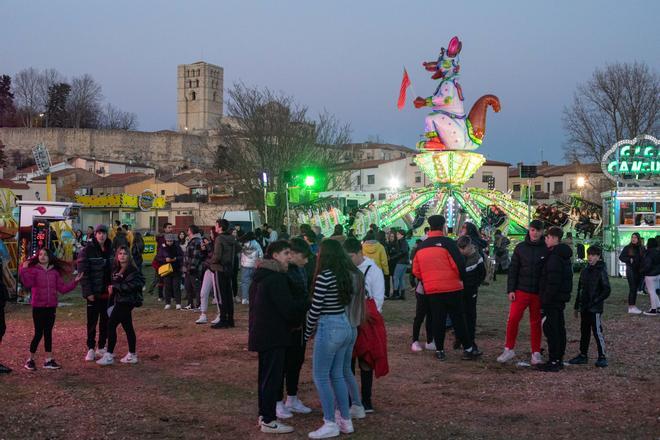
[(633, 160)]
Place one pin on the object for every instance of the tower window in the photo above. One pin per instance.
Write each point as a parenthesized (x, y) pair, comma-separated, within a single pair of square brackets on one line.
[(193, 96), (215, 96), (198, 72), (190, 83), (196, 83)]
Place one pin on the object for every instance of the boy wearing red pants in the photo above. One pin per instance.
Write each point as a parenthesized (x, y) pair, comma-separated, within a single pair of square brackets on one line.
[(523, 288)]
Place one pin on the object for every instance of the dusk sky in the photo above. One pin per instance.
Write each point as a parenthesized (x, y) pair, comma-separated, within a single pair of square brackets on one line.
[(343, 56)]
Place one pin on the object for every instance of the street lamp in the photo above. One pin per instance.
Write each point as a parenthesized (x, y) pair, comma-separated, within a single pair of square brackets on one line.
[(581, 181), (395, 184)]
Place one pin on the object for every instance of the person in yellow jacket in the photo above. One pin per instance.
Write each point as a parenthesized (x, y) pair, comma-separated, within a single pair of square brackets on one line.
[(371, 248)]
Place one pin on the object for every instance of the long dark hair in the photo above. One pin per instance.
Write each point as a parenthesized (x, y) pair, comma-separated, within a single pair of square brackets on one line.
[(333, 258), (116, 266), (61, 266)]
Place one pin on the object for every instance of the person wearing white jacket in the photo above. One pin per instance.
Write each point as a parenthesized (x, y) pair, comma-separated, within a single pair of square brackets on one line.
[(251, 254), (374, 286)]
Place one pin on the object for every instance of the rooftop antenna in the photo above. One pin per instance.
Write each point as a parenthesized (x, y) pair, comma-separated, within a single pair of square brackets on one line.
[(541, 154)]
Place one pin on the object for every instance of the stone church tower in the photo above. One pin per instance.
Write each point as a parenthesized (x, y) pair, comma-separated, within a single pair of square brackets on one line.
[(199, 96)]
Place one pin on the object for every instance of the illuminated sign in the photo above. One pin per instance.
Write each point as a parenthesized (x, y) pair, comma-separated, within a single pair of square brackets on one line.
[(146, 200), (636, 159)]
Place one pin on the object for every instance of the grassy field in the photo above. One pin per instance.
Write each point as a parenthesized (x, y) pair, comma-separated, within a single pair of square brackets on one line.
[(195, 382)]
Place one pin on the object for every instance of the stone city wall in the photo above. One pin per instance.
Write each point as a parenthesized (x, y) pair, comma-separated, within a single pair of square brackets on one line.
[(162, 149)]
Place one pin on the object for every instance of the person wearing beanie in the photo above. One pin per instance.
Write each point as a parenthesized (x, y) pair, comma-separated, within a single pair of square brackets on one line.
[(440, 267), (523, 291), (95, 263)]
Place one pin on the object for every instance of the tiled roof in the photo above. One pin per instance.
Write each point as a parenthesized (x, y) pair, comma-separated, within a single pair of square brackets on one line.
[(10, 184), (560, 170), (121, 179)]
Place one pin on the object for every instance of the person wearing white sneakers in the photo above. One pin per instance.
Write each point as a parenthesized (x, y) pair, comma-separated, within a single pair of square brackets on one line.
[(250, 255), (125, 294), (422, 314), (651, 272), (633, 255), (332, 302), (295, 353), (171, 253), (43, 274), (273, 312), (523, 288), (95, 263), (208, 283)]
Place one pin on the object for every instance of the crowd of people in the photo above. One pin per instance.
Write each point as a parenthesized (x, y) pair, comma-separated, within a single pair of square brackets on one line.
[(329, 292)]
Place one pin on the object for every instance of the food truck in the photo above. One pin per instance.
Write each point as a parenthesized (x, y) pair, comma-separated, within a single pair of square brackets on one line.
[(634, 204)]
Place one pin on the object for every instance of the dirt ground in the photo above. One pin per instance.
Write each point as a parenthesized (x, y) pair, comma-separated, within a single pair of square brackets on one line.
[(196, 382)]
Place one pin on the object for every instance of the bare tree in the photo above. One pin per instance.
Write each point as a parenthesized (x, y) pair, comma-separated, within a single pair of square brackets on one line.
[(113, 118), (26, 92), (267, 131), (84, 103), (619, 102)]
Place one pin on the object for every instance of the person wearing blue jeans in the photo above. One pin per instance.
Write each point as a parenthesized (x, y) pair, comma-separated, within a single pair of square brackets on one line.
[(335, 296), (332, 351)]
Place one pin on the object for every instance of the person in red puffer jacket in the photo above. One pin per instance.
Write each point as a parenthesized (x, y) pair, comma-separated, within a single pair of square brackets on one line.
[(440, 267), (43, 275)]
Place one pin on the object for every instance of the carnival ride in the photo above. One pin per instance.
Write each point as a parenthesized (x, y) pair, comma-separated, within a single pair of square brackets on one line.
[(446, 157)]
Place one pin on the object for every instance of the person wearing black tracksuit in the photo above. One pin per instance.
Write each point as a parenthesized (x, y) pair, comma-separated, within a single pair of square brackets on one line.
[(555, 291), (593, 289)]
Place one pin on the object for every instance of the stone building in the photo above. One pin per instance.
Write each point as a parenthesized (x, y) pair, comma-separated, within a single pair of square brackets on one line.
[(199, 96)]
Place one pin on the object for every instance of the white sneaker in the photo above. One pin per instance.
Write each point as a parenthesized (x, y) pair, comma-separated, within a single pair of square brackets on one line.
[(294, 405), (328, 430), (345, 426), (357, 411), (245, 301), (214, 302), (430, 346), (90, 356), (216, 320), (416, 347), (168, 306), (633, 310), (537, 359), (202, 319), (178, 306), (282, 412), (107, 359), (275, 427), (100, 352), (506, 356), (130, 358)]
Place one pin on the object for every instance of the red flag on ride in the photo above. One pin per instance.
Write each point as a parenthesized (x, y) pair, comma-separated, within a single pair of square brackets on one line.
[(405, 82)]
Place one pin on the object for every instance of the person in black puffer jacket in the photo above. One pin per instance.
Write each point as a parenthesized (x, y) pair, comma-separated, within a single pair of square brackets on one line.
[(475, 273), (126, 294), (632, 255), (523, 290), (593, 289), (650, 270), (171, 253), (274, 312), (95, 263), (556, 284)]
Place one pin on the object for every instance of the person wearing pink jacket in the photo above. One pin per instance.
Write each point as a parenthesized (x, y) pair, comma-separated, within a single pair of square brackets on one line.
[(43, 274)]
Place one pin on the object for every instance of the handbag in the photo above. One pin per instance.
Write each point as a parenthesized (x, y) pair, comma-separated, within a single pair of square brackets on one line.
[(165, 270)]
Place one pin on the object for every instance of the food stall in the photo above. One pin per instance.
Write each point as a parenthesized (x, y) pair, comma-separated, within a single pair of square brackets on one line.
[(634, 205), (140, 212)]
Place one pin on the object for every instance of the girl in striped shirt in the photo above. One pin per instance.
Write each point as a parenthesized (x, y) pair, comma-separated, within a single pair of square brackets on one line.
[(333, 289)]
